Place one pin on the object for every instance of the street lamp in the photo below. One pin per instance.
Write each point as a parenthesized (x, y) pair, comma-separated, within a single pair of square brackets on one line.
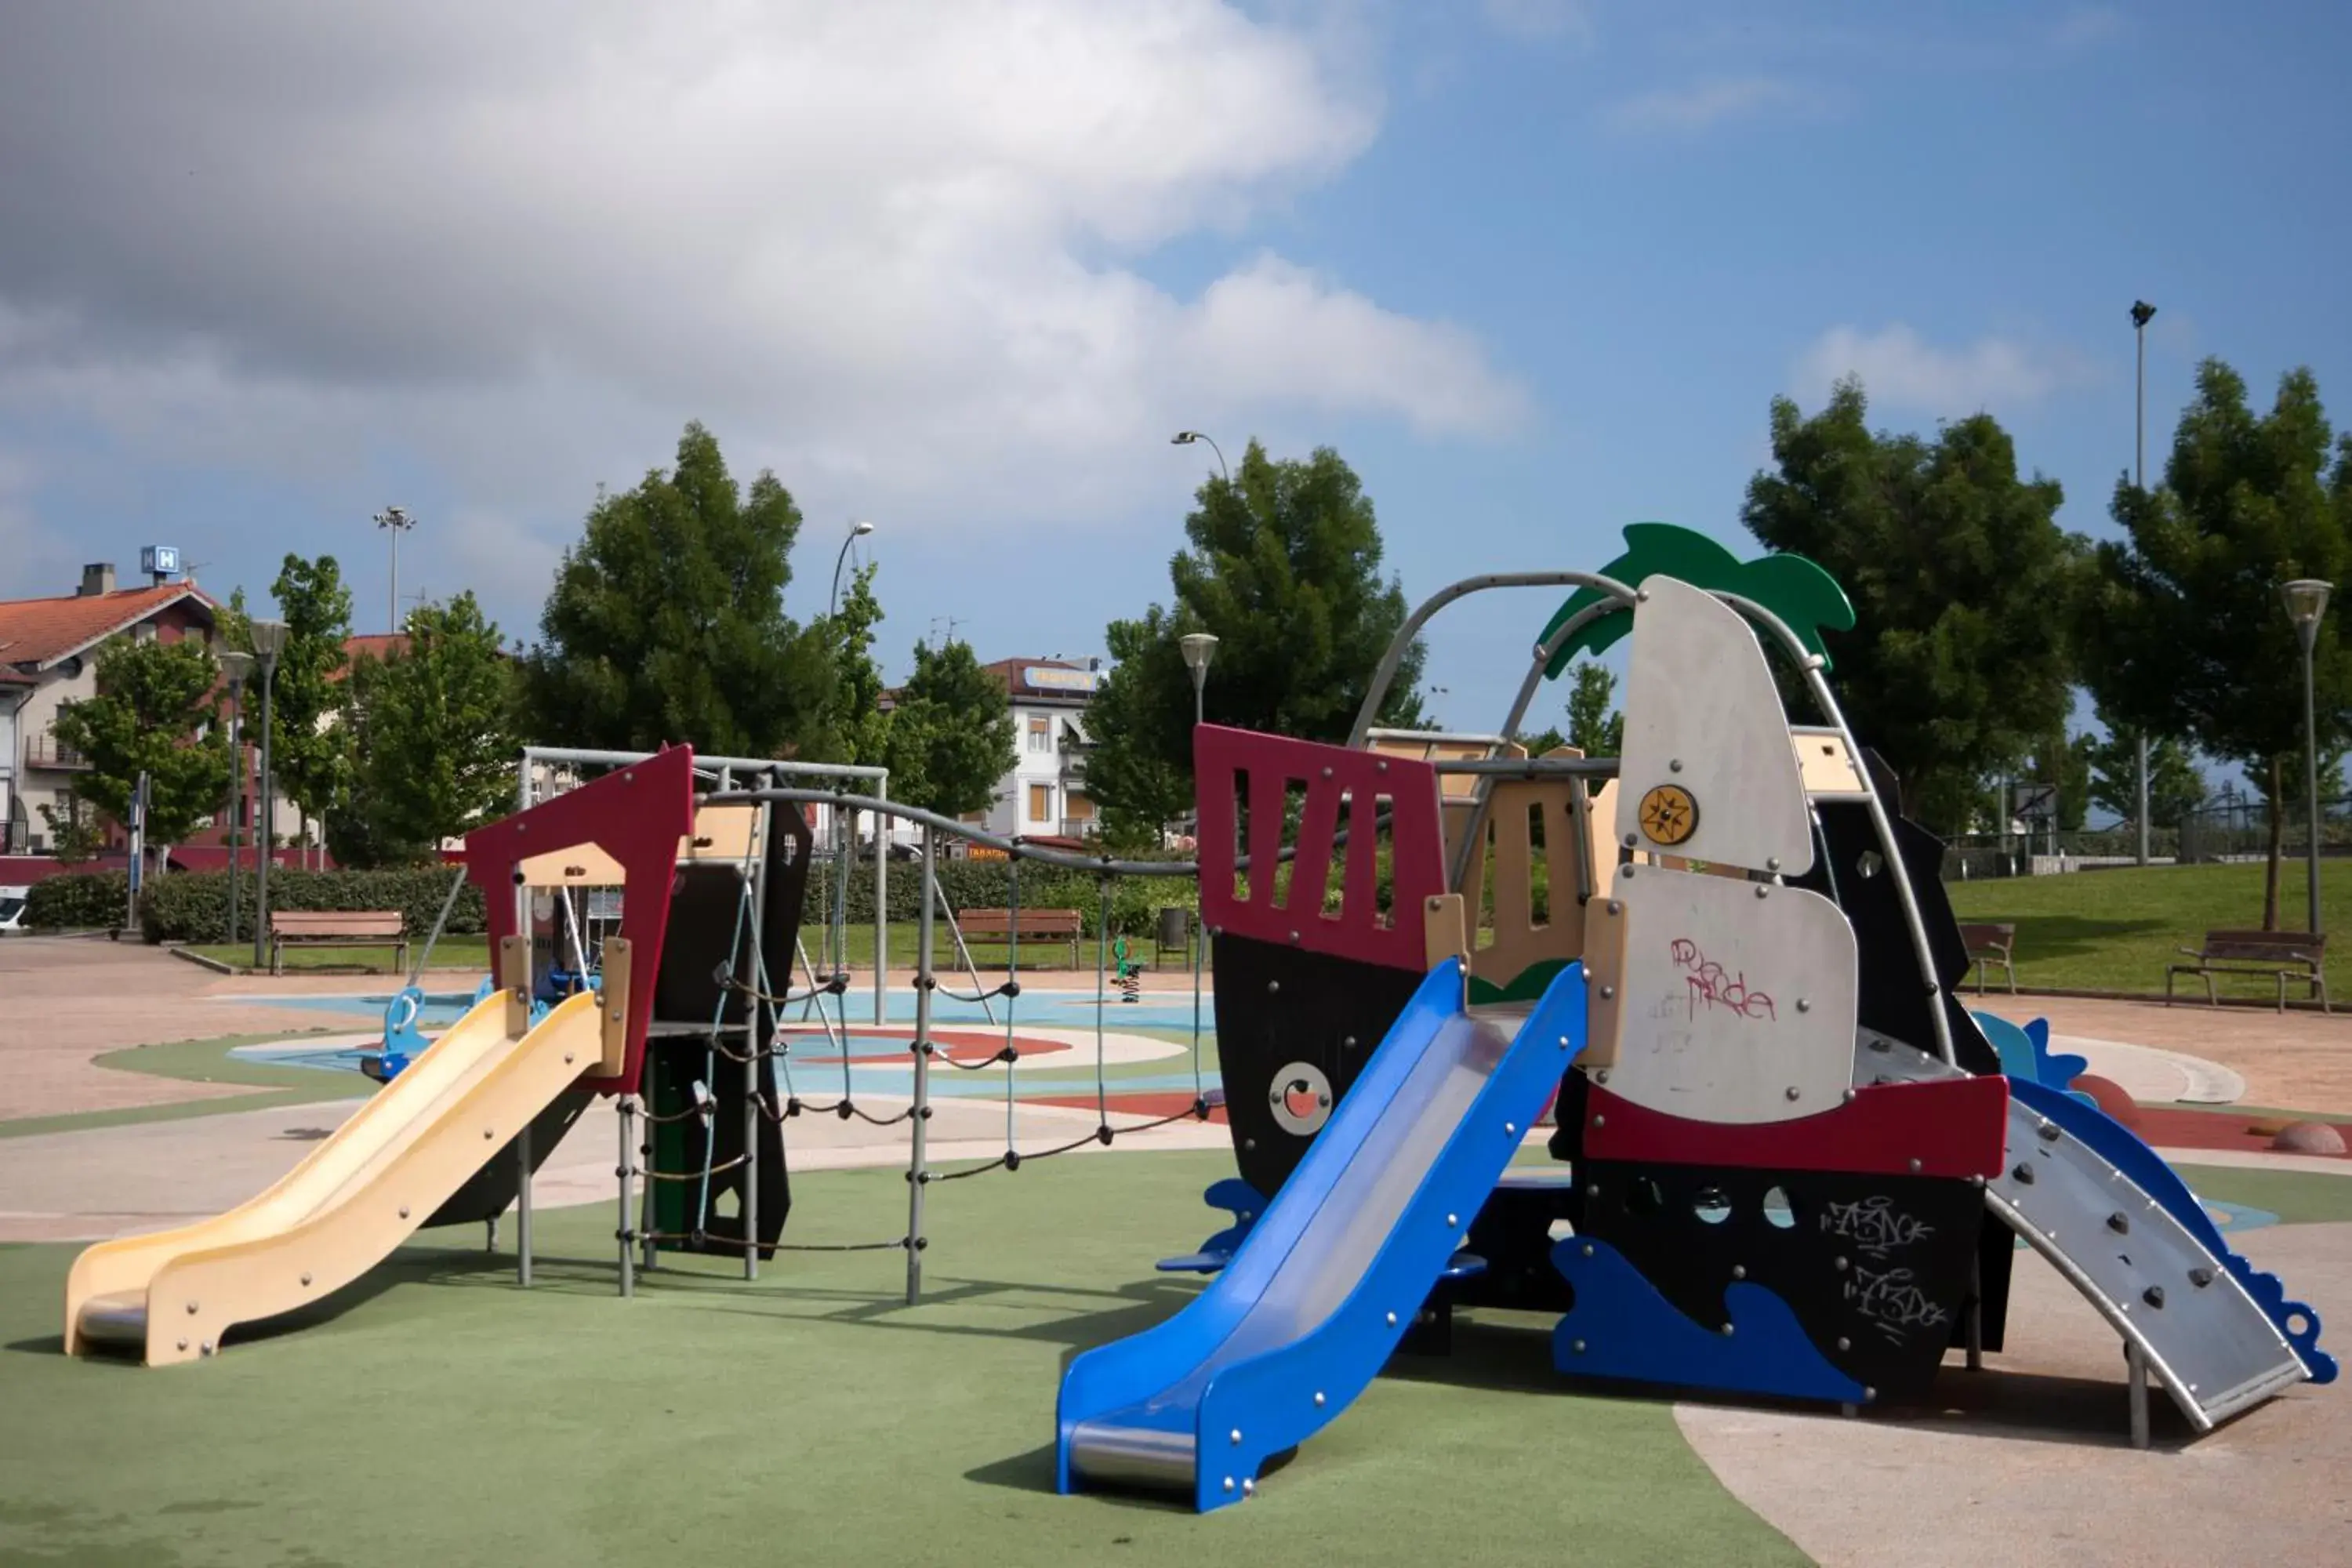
[(2141, 313), (1199, 648), (238, 666), (1186, 437), (857, 531), (398, 521), (2306, 601), (269, 641)]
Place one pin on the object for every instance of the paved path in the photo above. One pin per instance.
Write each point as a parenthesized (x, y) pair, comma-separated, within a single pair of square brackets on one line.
[(2300, 1061), (2028, 1463), (66, 1000)]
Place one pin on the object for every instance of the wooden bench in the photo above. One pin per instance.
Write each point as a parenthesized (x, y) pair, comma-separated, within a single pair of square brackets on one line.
[(2284, 955), (1990, 944), (336, 928), (1053, 925)]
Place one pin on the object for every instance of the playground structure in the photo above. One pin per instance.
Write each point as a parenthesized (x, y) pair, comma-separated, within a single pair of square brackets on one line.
[(1788, 1161), (1785, 1160)]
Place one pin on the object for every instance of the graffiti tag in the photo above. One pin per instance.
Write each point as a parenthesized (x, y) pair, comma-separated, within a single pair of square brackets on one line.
[(1891, 1301), (1706, 984), (1874, 1224)]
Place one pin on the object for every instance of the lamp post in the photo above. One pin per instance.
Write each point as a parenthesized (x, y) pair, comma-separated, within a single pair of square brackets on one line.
[(238, 668), (2141, 312), (395, 518), (1186, 437), (269, 641), (2306, 601), (1199, 648), (857, 531)]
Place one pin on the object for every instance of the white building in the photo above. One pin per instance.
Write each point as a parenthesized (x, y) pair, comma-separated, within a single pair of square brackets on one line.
[(1044, 794)]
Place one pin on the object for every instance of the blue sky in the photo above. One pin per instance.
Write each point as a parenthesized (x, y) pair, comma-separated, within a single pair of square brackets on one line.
[(1535, 268)]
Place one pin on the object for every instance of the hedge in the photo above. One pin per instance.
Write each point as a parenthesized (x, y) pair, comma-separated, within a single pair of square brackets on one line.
[(193, 906), (79, 902)]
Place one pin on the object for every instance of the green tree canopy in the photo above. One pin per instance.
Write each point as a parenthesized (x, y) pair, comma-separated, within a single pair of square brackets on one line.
[(1283, 567), (153, 714), (434, 740), (2186, 634), (310, 750), (951, 733), (666, 622), (1962, 581), (859, 729), (1593, 727), (2175, 787)]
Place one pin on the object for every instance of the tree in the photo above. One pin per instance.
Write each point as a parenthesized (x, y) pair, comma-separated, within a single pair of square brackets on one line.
[(2065, 765), (859, 728), (1592, 729), (310, 747), (1961, 579), (2175, 787), (76, 835), (153, 714), (2186, 636), (1283, 567), (434, 740), (666, 622), (951, 733)]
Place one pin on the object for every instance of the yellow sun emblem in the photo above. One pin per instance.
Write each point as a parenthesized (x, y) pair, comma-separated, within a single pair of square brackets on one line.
[(1669, 814)]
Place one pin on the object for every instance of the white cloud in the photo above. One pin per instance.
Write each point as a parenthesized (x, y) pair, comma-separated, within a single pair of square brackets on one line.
[(896, 250), (1701, 106), (1901, 369)]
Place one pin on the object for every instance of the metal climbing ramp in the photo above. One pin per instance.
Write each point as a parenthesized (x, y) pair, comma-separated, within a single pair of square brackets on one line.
[(2126, 1231), (1330, 1277)]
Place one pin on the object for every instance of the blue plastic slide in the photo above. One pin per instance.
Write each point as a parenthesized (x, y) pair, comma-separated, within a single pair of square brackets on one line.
[(1331, 1275)]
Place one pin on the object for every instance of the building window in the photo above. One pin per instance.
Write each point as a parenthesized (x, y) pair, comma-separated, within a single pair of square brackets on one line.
[(1041, 737), (1041, 803), (1080, 808)]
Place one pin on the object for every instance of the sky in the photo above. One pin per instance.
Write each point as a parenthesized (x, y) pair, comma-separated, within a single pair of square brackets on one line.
[(1536, 268)]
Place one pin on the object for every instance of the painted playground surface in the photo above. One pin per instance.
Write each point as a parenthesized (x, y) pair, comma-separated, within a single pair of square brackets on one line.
[(2034, 1444)]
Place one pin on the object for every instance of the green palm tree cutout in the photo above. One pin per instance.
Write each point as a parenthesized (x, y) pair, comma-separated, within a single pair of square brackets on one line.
[(1790, 586)]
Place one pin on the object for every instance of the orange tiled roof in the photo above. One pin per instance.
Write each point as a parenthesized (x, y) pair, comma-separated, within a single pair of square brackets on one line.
[(37, 633)]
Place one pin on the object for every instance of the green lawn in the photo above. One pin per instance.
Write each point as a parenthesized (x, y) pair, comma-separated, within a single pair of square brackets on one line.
[(449, 952), (2114, 930), (436, 1414)]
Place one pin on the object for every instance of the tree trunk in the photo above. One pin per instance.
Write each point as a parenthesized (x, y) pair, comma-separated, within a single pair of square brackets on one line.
[(2278, 828)]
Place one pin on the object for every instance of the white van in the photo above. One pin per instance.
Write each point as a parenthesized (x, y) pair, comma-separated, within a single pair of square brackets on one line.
[(12, 908)]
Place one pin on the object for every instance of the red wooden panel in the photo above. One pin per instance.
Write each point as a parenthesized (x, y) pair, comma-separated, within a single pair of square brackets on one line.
[(637, 814), (1953, 1127), (1328, 773)]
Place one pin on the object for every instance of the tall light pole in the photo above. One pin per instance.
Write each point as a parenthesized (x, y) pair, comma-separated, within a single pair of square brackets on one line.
[(1186, 437), (857, 531), (238, 668), (1199, 648), (2306, 601), (398, 521), (268, 640), (2141, 312)]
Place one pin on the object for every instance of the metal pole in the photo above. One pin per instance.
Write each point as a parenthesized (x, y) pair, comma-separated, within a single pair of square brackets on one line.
[(263, 834), (2310, 633), (2136, 1365), (751, 1046), (235, 790), (882, 906), (2140, 482), (917, 1174), (628, 1122), (523, 1207), (394, 623)]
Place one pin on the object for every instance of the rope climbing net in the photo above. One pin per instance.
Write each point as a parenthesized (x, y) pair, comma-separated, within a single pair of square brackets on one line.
[(765, 1034)]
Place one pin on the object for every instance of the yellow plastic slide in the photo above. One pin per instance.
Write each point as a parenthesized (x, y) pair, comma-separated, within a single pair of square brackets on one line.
[(342, 1210)]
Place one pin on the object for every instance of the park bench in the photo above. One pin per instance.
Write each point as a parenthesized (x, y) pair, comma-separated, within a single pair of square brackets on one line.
[(1052, 925), (1990, 944), (2286, 955), (336, 928)]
